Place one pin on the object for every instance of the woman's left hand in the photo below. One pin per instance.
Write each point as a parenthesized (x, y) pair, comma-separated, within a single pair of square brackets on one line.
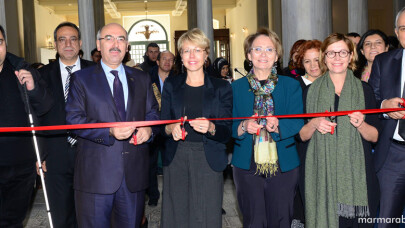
[(356, 119), (272, 124), (201, 125)]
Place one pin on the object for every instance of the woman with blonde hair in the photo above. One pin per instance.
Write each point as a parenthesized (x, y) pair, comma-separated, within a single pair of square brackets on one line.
[(340, 181), (194, 156)]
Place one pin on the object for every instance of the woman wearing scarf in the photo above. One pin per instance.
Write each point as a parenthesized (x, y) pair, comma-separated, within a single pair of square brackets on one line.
[(340, 181), (265, 165)]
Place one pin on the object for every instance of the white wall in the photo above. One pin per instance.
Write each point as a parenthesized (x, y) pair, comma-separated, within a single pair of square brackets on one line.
[(242, 16), (46, 21)]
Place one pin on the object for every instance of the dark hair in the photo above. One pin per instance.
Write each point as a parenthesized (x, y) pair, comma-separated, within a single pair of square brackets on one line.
[(3, 33), (309, 44), (217, 66), (362, 61), (152, 45), (295, 48), (353, 34), (66, 24), (94, 51), (393, 43)]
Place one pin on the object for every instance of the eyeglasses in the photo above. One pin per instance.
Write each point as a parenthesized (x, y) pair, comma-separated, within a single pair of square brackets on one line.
[(71, 39), (342, 54), (1, 41), (369, 44), (195, 51), (260, 50), (111, 39)]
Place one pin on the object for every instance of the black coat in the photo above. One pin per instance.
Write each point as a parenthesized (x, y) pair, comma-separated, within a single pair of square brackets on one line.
[(55, 144), (217, 103)]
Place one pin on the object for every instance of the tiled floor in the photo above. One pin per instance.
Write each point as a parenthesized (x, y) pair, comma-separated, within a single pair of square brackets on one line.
[(37, 217)]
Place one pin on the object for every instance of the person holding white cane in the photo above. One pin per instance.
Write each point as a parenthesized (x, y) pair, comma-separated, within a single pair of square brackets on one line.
[(17, 155)]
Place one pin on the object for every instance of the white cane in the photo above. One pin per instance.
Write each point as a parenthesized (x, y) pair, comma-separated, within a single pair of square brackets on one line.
[(41, 172)]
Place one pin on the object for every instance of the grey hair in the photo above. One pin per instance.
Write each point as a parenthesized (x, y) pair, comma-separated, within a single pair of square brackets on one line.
[(99, 31), (397, 17)]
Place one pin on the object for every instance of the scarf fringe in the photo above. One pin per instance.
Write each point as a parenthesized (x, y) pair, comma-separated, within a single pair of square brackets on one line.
[(350, 211), (267, 169)]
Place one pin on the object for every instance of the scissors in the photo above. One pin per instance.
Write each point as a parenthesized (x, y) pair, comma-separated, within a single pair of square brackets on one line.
[(332, 119)]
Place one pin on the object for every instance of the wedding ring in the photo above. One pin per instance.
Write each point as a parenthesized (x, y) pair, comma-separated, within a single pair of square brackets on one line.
[(357, 121), (200, 127)]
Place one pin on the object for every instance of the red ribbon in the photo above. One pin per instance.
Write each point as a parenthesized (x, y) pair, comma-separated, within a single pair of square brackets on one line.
[(161, 122)]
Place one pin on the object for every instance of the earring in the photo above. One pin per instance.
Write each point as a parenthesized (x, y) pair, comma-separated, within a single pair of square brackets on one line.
[(250, 63)]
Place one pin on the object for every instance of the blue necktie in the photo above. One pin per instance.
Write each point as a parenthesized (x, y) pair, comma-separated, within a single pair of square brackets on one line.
[(119, 95)]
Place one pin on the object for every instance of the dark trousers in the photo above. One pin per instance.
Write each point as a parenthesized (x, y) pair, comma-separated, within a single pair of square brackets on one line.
[(392, 184), (59, 185), (122, 209), (153, 190), (192, 191), (265, 202), (16, 187)]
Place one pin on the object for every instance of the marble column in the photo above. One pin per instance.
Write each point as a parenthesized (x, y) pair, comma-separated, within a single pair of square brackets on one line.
[(276, 20), (3, 14), (99, 20), (262, 13), (357, 16), (204, 22), (30, 40), (86, 24), (13, 33), (397, 6), (191, 14), (301, 21)]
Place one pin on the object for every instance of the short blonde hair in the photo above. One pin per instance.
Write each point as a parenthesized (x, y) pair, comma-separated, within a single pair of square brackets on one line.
[(331, 39), (247, 45), (195, 36)]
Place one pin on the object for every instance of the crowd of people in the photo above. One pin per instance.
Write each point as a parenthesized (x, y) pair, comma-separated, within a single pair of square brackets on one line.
[(335, 171)]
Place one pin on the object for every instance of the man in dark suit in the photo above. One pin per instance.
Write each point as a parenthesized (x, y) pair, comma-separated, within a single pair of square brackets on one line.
[(158, 74), (111, 174), (60, 151), (387, 79)]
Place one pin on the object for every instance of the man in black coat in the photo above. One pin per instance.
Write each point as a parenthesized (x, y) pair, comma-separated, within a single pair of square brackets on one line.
[(158, 74), (17, 154), (60, 146)]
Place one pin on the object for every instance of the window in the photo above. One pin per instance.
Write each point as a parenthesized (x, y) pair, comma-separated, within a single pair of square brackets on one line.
[(138, 34)]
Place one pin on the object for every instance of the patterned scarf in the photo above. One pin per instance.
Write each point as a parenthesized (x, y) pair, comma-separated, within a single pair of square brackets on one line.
[(265, 151)]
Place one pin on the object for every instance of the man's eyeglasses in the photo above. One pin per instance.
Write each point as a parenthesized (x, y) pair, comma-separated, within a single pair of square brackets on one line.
[(342, 54), (1, 41), (260, 50), (111, 39), (71, 39)]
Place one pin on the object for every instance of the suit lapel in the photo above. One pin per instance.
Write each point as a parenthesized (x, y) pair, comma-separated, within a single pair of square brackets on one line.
[(208, 97), (56, 80), (397, 66), (131, 96)]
